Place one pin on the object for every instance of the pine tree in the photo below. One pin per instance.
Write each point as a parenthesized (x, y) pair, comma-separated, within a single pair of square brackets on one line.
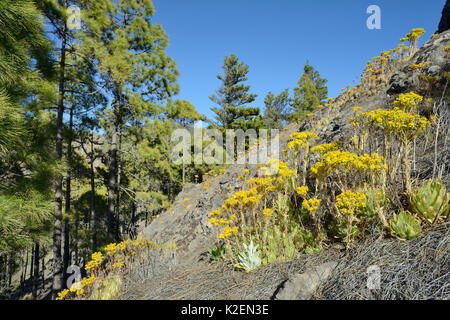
[(310, 93), (129, 53), (26, 157), (277, 109), (233, 98)]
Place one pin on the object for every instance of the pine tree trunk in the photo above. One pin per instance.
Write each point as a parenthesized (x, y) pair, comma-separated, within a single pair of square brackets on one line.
[(93, 214), (77, 221), (25, 269), (36, 271), (31, 264), (1, 273), (119, 171), (133, 208), (21, 272), (113, 169), (44, 252), (57, 258), (11, 268), (66, 257)]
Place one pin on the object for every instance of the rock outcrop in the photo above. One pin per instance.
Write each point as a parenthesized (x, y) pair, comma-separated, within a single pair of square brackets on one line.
[(433, 52), (444, 24), (303, 286)]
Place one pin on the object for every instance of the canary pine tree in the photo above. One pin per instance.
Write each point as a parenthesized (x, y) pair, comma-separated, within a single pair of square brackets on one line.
[(129, 51), (26, 157), (233, 98), (277, 109), (311, 92)]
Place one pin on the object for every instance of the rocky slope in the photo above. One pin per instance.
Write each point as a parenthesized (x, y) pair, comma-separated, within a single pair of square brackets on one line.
[(186, 222)]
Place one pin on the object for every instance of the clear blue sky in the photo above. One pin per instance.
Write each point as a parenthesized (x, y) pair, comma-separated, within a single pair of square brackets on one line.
[(275, 38)]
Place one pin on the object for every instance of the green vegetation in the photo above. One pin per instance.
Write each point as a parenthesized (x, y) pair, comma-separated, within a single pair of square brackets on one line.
[(233, 98)]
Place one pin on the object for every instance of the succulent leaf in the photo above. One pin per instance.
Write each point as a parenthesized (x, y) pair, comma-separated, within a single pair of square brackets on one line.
[(405, 226)]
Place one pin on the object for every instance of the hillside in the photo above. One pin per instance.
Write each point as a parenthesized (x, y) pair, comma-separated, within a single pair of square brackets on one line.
[(147, 152), (415, 269)]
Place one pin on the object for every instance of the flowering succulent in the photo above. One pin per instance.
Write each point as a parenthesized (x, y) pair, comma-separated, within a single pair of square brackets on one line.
[(334, 161), (111, 249), (267, 212), (408, 101), (419, 65), (327, 147), (301, 139), (349, 202), (62, 294), (312, 204), (403, 124), (97, 259), (228, 231), (301, 191)]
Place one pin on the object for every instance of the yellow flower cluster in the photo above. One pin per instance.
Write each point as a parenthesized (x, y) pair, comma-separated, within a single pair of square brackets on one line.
[(407, 101), (327, 147), (268, 212), (419, 65), (96, 261), (126, 247), (228, 231), (414, 35), (334, 161), (62, 294), (312, 204), (78, 287), (243, 199), (403, 124), (261, 183), (284, 172), (301, 139), (118, 264), (215, 173), (111, 249), (349, 202), (301, 191)]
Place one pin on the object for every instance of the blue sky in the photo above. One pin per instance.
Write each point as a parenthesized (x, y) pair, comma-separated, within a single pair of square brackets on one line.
[(275, 38)]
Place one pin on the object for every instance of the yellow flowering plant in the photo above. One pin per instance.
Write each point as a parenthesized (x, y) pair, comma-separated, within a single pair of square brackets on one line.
[(301, 139), (408, 101), (349, 204), (100, 268)]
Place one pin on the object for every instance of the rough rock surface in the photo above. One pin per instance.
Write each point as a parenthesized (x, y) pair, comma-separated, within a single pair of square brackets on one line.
[(303, 286), (433, 52)]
